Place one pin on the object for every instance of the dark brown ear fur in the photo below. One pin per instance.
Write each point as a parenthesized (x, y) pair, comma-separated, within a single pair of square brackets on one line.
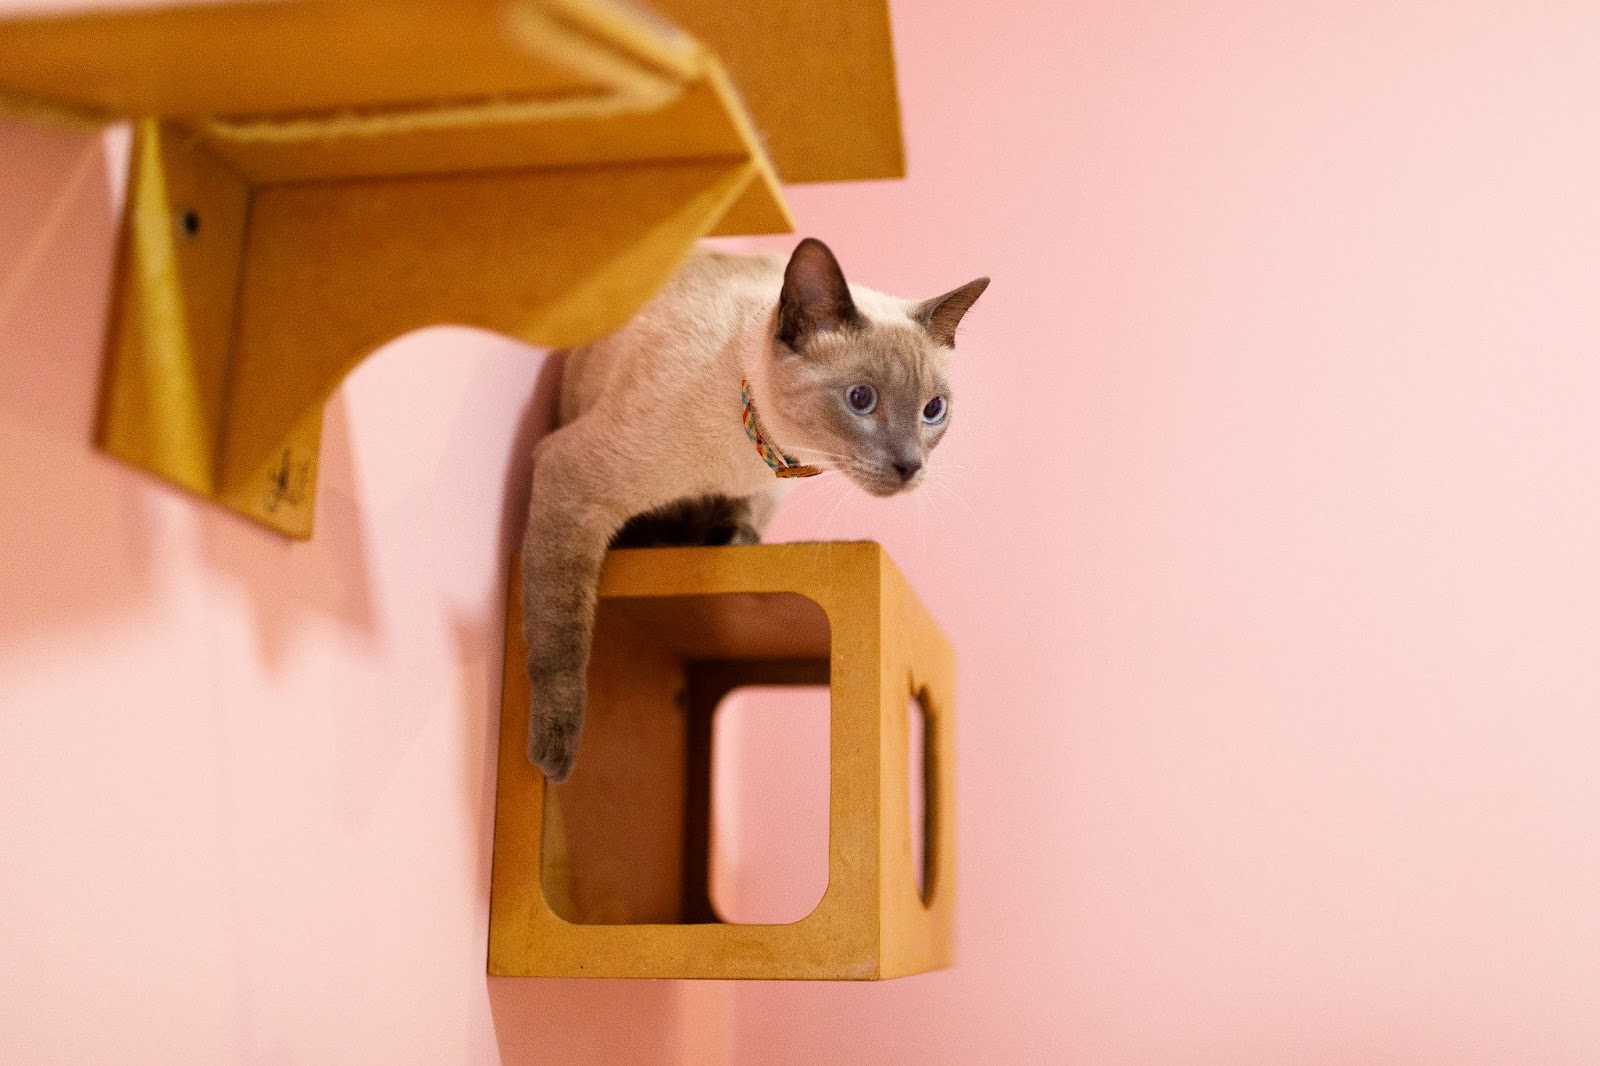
[(815, 297), (942, 314)]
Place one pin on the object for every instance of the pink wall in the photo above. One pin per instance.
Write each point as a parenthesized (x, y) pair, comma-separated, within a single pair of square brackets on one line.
[(1266, 535)]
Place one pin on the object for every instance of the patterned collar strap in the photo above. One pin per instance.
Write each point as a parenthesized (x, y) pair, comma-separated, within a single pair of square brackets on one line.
[(783, 464)]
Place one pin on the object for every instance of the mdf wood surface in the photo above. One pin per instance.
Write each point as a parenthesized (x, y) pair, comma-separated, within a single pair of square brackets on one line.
[(227, 341), (614, 831), (818, 75), (173, 311), (357, 169), (678, 629), (337, 269), (819, 79), (734, 625), (305, 57)]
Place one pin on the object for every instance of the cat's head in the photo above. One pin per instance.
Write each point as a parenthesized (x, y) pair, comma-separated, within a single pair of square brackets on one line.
[(863, 378)]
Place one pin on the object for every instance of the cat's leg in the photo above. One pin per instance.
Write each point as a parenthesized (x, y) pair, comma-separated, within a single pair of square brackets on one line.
[(718, 520), (728, 521), (699, 520), (742, 527), (571, 519), (679, 524)]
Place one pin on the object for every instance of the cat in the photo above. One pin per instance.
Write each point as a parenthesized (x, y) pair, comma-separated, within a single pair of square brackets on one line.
[(688, 424)]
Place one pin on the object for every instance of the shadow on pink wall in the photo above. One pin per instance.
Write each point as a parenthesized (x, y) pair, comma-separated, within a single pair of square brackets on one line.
[(80, 544), (76, 545)]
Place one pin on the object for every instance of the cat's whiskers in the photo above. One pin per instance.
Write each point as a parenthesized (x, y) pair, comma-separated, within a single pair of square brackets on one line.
[(939, 479), (841, 493), (919, 504), (819, 542)]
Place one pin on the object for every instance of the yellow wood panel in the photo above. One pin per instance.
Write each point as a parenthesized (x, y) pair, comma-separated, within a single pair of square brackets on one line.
[(331, 56), (703, 120), (337, 269), (817, 76), (918, 661), (863, 927), (173, 311), (745, 625), (695, 122), (613, 832)]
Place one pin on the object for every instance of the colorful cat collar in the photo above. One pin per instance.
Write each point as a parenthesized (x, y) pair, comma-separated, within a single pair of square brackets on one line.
[(783, 464)]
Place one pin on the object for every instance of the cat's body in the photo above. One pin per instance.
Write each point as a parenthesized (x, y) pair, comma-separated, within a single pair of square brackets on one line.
[(652, 447), (678, 363)]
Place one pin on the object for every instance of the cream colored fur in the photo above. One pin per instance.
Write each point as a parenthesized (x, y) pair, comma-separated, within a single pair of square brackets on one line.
[(651, 415)]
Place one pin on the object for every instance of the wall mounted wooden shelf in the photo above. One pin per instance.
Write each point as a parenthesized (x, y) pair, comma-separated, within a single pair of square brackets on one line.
[(605, 875), (314, 178)]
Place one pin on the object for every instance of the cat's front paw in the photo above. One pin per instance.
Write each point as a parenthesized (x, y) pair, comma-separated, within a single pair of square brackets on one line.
[(553, 745)]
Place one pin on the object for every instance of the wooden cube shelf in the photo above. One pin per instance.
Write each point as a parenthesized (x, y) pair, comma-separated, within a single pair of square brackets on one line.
[(605, 875)]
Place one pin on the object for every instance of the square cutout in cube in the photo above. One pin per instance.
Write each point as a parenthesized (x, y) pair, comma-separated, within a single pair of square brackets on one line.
[(626, 837), (769, 803)]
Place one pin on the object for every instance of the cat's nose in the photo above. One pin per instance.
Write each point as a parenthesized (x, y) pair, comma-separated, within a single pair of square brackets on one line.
[(907, 468)]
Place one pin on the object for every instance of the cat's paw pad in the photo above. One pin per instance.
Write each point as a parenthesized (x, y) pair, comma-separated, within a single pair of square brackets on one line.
[(553, 747)]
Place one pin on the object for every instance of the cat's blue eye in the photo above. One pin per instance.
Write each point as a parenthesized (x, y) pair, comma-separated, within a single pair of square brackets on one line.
[(935, 411), (861, 398)]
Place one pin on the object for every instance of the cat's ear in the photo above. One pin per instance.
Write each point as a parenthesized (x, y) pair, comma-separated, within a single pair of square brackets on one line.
[(815, 297), (941, 315)]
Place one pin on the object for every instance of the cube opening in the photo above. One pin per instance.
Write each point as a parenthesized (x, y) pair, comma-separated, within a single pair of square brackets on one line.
[(769, 804), (627, 838), (920, 776)]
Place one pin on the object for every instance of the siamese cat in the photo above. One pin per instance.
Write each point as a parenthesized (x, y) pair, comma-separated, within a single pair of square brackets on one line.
[(687, 425)]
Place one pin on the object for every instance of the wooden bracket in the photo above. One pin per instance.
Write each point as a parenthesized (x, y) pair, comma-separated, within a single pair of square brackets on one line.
[(240, 307)]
